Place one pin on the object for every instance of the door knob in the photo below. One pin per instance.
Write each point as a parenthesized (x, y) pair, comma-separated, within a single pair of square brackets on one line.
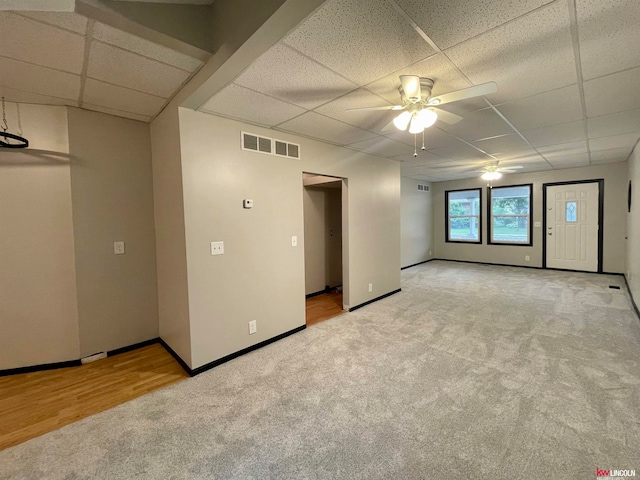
[(550, 233)]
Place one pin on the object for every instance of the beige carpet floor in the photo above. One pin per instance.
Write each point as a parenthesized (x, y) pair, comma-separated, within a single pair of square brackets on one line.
[(471, 372)]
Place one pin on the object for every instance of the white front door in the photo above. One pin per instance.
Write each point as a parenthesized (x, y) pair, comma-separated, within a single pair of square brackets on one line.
[(572, 226)]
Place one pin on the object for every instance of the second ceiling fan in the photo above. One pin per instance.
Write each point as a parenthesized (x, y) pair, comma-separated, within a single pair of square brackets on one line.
[(420, 110)]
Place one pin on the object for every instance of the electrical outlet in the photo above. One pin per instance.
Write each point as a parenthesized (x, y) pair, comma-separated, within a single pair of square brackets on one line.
[(217, 248), (371, 287), (526, 257), (253, 328), (118, 248)]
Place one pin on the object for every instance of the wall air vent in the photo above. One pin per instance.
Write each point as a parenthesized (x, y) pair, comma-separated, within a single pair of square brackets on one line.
[(284, 149), (423, 188), (256, 143), (270, 146)]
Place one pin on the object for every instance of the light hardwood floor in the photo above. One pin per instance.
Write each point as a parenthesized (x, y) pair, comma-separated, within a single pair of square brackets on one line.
[(323, 307), (32, 404)]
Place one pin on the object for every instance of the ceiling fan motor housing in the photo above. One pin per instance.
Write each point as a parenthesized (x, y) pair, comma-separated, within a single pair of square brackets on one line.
[(426, 85)]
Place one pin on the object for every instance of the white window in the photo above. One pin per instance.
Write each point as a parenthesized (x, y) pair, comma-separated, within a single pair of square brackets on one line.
[(510, 215), (464, 218)]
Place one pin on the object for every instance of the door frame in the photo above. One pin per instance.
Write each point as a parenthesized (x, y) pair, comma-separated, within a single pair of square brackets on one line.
[(600, 182)]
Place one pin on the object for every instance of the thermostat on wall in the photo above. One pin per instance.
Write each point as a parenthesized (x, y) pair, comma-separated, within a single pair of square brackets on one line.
[(248, 203)]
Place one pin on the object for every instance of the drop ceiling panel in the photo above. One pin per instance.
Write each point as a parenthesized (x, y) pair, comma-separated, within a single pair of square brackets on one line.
[(433, 138), (614, 124), (67, 20), (123, 99), (144, 47), (382, 146), (610, 156), (606, 30), (372, 38), (530, 55), (545, 109), (527, 157), (571, 148), (503, 144), (448, 22), (241, 103), (34, 42), (127, 69), (286, 74), (553, 135), (423, 158), (318, 126), (44, 81), (19, 96), (460, 151), (628, 140), (613, 93), (373, 120), (118, 113), (477, 125), (570, 161), (446, 78)]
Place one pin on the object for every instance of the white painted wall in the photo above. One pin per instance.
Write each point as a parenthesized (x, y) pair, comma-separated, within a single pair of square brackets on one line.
[(615, 187), (261, 276), (416, 223), (171, 260), (633, 228), (38, 312), (112, 195)]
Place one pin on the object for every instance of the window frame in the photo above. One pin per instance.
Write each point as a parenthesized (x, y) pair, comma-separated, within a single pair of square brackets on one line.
[(490, 216), (448, 218)]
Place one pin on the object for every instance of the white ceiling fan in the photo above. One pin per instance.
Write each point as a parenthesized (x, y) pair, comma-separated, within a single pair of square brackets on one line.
[(419, 108)]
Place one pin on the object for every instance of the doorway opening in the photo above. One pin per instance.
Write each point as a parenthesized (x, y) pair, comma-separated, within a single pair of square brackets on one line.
[(573, 225), (323, 246)]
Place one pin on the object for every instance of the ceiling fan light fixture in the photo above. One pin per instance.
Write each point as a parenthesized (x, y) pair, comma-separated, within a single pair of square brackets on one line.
[(411, 87), (427, 117), (416, 125), (491, 175), (402, 121)]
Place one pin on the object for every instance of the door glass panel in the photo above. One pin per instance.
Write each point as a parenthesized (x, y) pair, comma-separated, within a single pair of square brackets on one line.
[(571, 212)]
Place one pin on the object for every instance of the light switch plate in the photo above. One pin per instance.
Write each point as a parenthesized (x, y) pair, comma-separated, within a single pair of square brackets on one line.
[(217, 248), (294, 241), (118, 248)]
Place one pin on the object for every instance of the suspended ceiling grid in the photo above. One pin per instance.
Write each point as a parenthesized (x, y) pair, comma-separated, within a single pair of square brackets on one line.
[(567, 73)]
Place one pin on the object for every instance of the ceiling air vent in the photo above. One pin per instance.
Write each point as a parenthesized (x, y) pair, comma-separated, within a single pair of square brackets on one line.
[(423, 188), (284, 149), (256, 143)]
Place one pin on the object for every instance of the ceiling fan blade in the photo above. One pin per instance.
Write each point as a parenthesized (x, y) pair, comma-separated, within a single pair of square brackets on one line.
[(475, 91), (411, 87), (386, 107), (447, 117)]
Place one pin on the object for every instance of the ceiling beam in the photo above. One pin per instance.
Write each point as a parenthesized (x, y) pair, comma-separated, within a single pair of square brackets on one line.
[(243, 31), (184, 28)]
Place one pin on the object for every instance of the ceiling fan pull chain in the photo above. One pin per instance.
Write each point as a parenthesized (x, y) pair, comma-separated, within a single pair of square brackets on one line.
[(423, 140), (415, 144)]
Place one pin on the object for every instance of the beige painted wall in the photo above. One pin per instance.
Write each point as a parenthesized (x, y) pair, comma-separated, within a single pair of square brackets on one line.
[(633, 228), (112, 195), (261, 276), (416, 223), (323, 238), (173, 294), (615, 181), (38, 314)]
